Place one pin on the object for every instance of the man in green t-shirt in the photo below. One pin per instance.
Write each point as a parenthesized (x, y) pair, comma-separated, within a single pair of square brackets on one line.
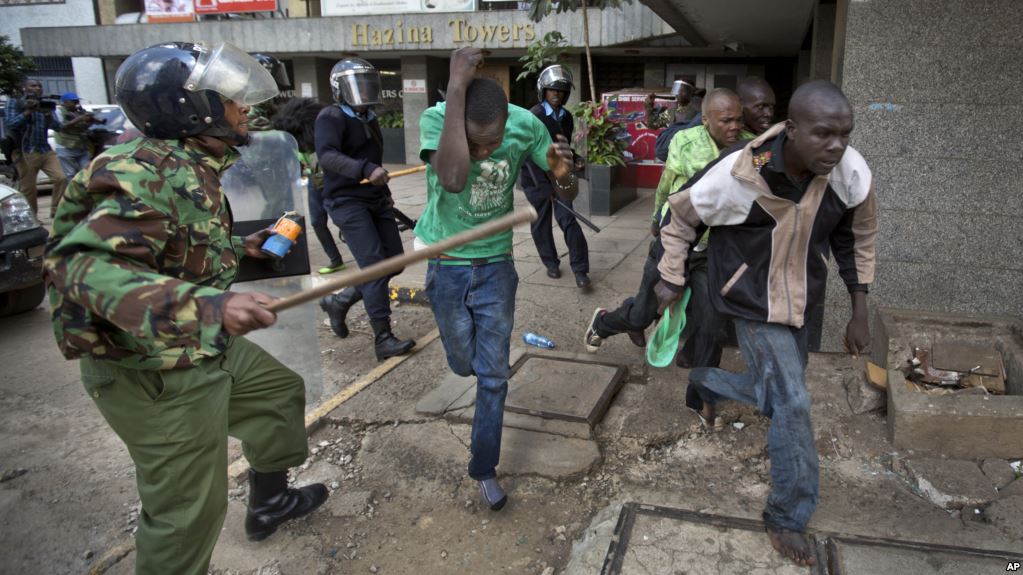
[(475, 143)]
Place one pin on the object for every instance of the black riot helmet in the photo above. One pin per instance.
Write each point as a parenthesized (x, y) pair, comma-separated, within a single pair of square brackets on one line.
[(276, 69), (177, 89), (556, 77), (355, 82)]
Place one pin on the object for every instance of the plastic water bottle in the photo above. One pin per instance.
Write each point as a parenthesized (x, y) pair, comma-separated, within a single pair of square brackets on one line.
[(537, 340)]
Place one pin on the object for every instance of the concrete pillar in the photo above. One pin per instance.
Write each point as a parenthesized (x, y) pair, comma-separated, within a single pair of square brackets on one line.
[(653, 74), (838, 50), (414, 104), (823, 42), (312, 78), (110, 66), (576, 63), (90, 83), (803, 67)]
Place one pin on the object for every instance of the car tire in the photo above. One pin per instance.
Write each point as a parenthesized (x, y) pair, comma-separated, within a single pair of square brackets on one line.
[(22, 300)]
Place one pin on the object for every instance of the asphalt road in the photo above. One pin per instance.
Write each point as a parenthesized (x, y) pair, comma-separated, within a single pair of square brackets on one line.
[(70, 484)]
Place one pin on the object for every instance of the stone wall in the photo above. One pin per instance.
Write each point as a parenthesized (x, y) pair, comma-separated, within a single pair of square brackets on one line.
[(935, 88)]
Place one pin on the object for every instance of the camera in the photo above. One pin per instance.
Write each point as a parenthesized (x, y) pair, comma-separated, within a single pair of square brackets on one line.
[(34, 101)]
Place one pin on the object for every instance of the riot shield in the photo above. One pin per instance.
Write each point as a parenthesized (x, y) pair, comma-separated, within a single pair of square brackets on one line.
[(263, 184)]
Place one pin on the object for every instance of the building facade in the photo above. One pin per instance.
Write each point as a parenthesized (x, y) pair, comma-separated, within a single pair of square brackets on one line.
[(921, 81), (58, 72)]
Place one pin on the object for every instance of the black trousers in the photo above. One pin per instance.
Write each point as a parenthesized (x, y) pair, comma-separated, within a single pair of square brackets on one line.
[(638, 312), (372, 235), (540, 196), (704, 324)]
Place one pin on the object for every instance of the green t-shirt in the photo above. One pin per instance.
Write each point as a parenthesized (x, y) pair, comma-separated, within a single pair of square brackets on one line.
[(488, 190)]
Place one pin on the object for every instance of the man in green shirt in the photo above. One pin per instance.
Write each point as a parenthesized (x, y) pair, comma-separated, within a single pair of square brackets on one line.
[(690, 151), (475, 143), (694, 148)]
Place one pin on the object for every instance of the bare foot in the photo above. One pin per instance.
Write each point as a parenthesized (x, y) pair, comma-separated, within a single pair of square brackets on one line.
[(792, 544)]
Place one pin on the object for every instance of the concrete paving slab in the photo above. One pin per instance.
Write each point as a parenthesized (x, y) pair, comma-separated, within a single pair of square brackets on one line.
[(952, 484), (441, 398), (541, 454), (554, 388), (348, 504), (658, 545), (863, 559), (413, 452), (579, 430), (1007, 515), (999, 472)]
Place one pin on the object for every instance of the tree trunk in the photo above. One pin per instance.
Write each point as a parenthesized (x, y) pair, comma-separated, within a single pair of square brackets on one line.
[(589, 58)]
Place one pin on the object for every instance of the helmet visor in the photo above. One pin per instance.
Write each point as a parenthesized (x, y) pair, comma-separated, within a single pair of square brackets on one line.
[(360, 88), (231, 73)]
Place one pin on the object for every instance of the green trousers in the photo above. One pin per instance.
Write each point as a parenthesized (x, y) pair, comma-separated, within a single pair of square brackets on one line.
[(175, 424)]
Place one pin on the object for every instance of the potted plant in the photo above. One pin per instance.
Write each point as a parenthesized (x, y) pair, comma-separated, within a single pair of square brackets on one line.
[(392, 126), (604, 142)]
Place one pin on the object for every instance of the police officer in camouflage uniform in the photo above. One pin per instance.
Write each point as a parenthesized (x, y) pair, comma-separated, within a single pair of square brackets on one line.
[(138, 270)]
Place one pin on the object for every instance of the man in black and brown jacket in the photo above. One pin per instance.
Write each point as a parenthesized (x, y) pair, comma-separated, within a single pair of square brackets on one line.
[(776, 208)]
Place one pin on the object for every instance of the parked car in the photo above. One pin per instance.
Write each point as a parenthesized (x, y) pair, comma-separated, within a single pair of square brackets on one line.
[(22, 241)]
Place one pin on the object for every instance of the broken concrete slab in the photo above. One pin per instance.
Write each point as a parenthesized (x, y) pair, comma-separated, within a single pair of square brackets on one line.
[(542, 454), (440, 399), (998, 471), (349, 504), (1007, 515), (528, 422), (319, 471), (950, 483), (413, 451), (1014, 488), (863, 397), (960, 426), (589, 550), (854, 558)]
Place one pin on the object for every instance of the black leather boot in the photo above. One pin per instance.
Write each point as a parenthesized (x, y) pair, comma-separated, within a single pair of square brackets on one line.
[(271, 502), (337, 306), (384, 341)]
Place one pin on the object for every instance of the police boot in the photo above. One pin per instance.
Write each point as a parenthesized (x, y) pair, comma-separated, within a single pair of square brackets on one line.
[(271, 502), (386, 344), (337, 306)]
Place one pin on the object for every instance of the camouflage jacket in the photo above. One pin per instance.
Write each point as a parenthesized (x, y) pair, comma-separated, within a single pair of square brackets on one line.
[(141, 254)]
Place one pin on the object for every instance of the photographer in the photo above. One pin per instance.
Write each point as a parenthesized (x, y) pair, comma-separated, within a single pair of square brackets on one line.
[(26, 120), (72, 143)]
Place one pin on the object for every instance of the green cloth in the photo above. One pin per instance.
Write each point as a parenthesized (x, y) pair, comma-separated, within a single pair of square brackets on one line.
[(663, 344), (175, 425), (488, 190), (690, 150), (140, 255)]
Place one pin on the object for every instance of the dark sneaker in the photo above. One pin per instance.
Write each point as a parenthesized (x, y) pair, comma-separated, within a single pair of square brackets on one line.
[(492, 494), (553, 272), (582, 280), (592, 340)]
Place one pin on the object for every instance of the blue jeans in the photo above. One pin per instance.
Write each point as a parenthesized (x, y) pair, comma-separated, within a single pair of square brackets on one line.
[(776, 357), (72, 160), (474, 306)]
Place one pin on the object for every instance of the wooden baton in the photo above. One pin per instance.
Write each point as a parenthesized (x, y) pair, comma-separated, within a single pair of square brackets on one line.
[(400, 173), (392, 265)]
